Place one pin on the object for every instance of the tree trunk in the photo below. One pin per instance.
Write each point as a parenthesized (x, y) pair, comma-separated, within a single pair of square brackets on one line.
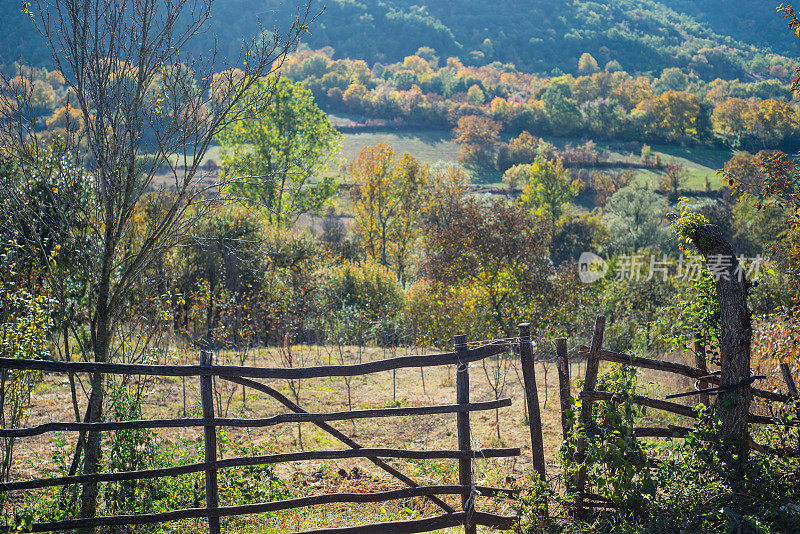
[(101, 332), (736, 332)]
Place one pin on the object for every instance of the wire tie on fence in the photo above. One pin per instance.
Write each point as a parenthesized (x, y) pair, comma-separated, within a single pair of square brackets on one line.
[(470, 504), (719, 389)]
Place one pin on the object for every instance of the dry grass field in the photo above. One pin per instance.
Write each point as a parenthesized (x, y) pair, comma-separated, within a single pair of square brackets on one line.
[(165, 399)]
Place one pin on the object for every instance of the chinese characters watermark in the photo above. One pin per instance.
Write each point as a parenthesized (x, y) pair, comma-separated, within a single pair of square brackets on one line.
[(643, 267)]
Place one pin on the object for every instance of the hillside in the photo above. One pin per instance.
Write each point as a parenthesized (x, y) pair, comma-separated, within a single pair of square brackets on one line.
[(714, 38), (751, 21)]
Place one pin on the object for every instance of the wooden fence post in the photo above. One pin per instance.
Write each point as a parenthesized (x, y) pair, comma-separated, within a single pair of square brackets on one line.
[(564, 394), (564, 386), (787, 377), (464, 435), (532, 394), (793, 393), (209, 441), (589, 384)]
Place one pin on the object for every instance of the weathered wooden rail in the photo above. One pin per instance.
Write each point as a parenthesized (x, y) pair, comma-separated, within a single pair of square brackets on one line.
[(468, 516), (594, 354)]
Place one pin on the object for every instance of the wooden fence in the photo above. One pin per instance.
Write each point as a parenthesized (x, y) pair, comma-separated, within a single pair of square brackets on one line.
[(467, 516), (703, 378)]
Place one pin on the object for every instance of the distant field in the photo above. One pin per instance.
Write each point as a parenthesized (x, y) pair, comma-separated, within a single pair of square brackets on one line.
[(435, 146), (429, 146)]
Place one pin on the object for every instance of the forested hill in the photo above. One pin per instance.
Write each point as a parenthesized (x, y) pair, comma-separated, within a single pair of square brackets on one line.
[(751, 21), (714, 38)]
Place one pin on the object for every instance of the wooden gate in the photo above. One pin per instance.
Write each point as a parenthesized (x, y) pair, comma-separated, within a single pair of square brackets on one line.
[(467, 515)]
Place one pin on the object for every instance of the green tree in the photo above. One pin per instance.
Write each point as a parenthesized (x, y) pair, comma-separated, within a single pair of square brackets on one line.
[(633, 217), (560, 108), (575, 235), (271, 158), (549, 189)]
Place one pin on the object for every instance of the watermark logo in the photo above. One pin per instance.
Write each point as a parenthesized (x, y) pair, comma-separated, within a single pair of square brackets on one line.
[(641, 267), (591, 267)]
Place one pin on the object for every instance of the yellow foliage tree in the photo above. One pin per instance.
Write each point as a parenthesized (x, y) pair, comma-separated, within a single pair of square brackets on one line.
[(732, 119), (673, 115), (387, 196)]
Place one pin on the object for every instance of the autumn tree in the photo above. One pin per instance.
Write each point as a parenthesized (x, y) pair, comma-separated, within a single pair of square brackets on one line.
[(775, 120), (478, 138), (672, 179), (495, 256), (445, 191), (518, 176), (521, 150), (587, 64), (387, 196), (411, 179), (605, 184), (674, 116), (111, 55), (270, 159), (732, 120), (549, 189), (631, 92)]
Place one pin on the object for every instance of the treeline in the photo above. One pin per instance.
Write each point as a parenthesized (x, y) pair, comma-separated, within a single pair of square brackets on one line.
[(424, 90)]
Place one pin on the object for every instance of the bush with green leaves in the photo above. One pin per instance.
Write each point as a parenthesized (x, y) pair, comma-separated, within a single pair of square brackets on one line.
[(687, 487), (140, 449), (26, 309), (615, 462)]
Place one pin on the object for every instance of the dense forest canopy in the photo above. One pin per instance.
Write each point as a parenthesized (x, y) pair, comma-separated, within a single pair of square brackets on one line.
[(712, 38)]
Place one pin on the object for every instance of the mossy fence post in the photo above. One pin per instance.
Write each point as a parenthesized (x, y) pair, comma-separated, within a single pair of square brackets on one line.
[(464, 434), (532, 395), (209, 441)]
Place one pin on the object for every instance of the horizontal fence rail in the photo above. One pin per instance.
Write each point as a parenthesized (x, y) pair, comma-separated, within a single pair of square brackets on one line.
[(677, 368), (252, 423), (247, 509), (425, 525), (666, 406), (259, 460), (290, 373)]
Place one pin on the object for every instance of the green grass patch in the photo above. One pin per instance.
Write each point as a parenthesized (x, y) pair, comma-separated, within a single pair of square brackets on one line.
[(429, 146)]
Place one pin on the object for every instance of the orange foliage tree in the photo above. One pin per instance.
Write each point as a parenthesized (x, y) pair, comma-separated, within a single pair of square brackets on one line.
[(478, 138)]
